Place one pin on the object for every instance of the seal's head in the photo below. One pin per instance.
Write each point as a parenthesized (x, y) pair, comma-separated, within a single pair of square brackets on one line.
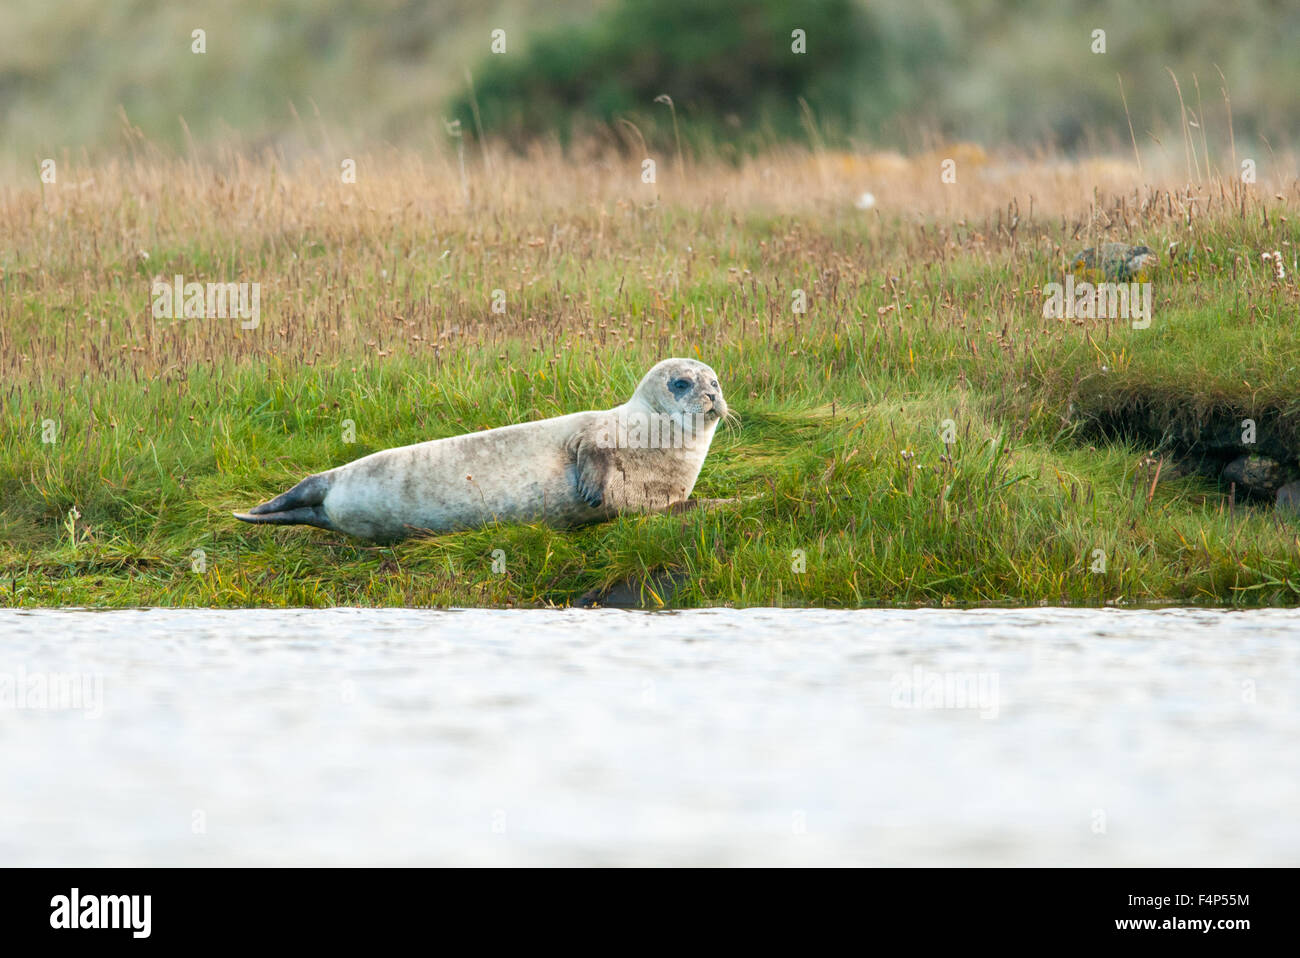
[(682, 386)]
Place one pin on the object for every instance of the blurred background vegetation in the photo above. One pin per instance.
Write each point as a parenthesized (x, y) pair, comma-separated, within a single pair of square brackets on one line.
[(299, 74)]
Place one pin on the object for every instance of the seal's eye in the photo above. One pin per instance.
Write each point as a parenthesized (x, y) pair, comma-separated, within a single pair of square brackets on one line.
[(680, 386), (715, 384)]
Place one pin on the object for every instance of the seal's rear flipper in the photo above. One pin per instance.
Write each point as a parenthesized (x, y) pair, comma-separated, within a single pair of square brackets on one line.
[(300, 506)]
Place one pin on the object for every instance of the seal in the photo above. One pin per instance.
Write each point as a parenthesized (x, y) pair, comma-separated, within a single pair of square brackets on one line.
[(642, 456)]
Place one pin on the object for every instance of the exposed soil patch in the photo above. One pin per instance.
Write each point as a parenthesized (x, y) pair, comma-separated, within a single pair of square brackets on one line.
[(1257, 454)]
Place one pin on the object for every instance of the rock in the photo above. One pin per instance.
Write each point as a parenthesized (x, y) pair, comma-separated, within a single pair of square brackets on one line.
[(1288, 498), (1118, 261), (1176, 469), (636, 593), (1255, 474)]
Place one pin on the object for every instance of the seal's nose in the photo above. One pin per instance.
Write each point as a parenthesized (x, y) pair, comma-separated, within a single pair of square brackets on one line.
[(712, 397)]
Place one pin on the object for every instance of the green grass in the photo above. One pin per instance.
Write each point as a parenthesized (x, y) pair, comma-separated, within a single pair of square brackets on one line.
[(163, 428), (995, 519)]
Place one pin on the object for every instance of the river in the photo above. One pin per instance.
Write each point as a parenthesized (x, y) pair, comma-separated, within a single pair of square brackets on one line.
[(710, 737)]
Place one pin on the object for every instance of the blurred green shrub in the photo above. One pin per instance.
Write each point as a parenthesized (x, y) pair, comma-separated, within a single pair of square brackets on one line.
[(728, 67)]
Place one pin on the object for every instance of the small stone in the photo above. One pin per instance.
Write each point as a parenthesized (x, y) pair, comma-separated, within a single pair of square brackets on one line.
[(636, 593), (1255, 474), (1288, 497)]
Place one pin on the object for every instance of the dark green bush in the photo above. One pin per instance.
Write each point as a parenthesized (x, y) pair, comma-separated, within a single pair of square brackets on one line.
[(728, 67)]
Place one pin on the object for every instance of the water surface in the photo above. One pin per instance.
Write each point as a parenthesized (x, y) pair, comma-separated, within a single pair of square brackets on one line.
[(710, 737)]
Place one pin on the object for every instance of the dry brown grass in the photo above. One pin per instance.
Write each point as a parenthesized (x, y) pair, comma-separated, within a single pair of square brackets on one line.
[(406, 258)]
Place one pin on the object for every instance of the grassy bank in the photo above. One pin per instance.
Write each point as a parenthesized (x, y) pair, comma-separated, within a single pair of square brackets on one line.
[(376, 327)]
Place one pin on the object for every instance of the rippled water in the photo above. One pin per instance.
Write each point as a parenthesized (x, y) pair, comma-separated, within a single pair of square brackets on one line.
[(712, 737)]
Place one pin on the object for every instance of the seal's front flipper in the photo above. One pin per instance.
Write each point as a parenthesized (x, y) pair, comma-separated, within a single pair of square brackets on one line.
[(686, 505), (593, 462)]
